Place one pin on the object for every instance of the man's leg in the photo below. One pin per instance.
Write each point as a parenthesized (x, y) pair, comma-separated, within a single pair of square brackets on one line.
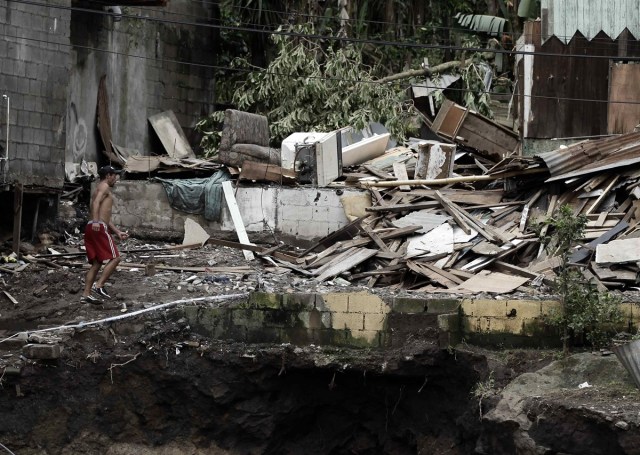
[(92, 273), (108, 270)]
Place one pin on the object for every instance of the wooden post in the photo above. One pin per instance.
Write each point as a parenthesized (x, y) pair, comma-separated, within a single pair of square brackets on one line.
[(17, 217)]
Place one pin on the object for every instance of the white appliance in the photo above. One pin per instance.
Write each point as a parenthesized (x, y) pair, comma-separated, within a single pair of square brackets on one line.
[(316, 157)]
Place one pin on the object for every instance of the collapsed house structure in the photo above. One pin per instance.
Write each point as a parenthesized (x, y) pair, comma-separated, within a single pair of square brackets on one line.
[(141, 125)]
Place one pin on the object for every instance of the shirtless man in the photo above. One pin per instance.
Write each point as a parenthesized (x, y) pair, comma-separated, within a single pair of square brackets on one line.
[(97, 240)]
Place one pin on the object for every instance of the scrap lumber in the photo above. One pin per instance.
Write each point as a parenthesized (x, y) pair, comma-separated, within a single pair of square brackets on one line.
[(400, 171), (431, 272), (448, 181), (376, 239), (10, 297), (351, 258), (237, 218), (588, 249), (253, 170), (396, 208), (493, 282), (460, 196), (449, 208)]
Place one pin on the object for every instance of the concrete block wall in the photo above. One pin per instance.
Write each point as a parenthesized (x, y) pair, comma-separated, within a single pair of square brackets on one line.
[(150, 66), (36, 61), (351, 319), (362, 319), (286, 212)]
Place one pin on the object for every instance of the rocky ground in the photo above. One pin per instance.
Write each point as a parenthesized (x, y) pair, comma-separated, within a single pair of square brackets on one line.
[(152, 386)]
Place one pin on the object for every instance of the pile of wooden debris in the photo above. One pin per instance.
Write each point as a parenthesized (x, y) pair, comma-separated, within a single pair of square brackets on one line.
[(480, 230)]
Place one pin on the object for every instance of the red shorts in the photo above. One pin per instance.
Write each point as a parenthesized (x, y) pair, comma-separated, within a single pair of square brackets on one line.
[(99, 244)]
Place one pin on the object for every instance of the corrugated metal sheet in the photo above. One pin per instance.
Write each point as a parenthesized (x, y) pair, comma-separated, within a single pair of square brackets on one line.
[(566, 17), (592, 156)]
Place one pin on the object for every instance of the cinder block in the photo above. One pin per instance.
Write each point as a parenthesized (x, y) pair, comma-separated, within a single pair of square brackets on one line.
[(407, 305), (42, 351), (485, 307), (350, 321), (335, 302), (296, 213), (364, 302), (524, 308), (374, 322)]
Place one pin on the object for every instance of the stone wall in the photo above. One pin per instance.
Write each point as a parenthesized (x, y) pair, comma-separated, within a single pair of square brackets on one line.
[(36, 61)]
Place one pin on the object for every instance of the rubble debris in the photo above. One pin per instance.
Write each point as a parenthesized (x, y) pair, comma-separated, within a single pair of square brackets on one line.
[(173, 139)]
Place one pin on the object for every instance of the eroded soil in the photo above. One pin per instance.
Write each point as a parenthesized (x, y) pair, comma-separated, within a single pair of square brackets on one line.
[(151, 385)]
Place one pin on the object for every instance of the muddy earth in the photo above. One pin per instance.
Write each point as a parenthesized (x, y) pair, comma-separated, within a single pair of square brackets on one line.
[(148, 384)]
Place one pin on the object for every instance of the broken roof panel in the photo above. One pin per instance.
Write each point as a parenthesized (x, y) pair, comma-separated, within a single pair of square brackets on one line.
[(592, 156)]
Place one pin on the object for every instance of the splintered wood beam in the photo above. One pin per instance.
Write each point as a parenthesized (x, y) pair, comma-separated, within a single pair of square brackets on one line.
[(403, 207), (400, 171), (376, 239), (447, 181), (449, 208), (345, 263), (603, 195)]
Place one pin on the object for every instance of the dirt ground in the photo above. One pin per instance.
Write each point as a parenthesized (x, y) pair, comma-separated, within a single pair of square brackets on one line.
[(46, 294)]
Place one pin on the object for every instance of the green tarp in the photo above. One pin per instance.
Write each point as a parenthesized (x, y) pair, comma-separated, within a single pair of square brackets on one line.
[(197, 196)]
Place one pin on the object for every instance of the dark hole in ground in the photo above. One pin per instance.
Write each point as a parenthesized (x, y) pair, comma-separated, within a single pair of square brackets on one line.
[(236, 403)]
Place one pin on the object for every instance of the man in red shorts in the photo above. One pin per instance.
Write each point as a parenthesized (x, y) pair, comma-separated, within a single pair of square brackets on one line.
[(97, 240)]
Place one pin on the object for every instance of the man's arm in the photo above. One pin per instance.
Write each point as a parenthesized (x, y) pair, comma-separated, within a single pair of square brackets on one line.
[(121, 235)]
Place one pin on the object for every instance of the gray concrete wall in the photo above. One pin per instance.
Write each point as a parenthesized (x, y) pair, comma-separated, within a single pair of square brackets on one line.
[(35, 60), (141, 59), (297, 214)]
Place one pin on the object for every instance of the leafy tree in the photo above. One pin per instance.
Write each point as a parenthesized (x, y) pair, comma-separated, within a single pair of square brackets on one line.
[(308, 87), (584, 311)]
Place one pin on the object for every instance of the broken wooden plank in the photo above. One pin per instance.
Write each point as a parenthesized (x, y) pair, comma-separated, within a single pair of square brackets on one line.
[(590, 277), (352, 259), (403, 207), (494, 282), (620, 274), (448, 207), (527, 207), (603, 195), (400, 171), (344, 233), (10, 297), (253, 170), (587, 250), (237, 218), (377, 272), (479, 197), (515, 270), (376, 239), (423, 269)]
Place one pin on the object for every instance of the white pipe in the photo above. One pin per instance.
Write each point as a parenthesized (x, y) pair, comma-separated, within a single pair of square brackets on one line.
[(132, 314), (6, 152)]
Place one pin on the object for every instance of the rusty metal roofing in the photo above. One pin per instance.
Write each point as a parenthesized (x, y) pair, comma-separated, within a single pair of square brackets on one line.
[(592, 156), (563, 18)]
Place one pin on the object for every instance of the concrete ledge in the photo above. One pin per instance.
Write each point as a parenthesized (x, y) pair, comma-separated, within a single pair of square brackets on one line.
[(363, 319)]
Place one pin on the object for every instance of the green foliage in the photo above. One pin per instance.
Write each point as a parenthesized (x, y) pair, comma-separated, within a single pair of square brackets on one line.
[(584, 311), (309, 88)]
